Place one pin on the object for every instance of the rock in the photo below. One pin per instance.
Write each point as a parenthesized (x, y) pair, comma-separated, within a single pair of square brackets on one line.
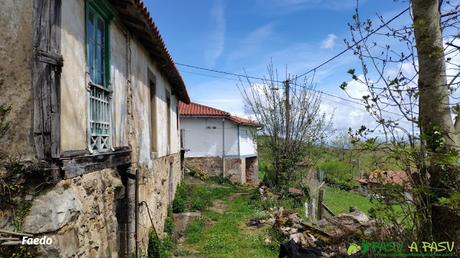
[(346, 225), (304, 240), (361, 217), (52, 211), (268, 240), (6, 218)]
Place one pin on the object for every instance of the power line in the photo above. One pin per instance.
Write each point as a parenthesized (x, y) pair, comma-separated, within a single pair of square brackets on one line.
[(352, 46), (220, 71), (259, 78), (309, 71)]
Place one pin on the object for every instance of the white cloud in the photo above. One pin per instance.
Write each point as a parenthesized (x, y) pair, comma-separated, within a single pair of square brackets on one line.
[(217, 37), (347, 114), (329, 41), (252, 42)]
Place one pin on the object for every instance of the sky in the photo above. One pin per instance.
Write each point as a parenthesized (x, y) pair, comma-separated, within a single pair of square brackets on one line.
[(243, 36)]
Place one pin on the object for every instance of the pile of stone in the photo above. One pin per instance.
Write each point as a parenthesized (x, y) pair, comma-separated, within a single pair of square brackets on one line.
[(343, 226), (266, 193), (330, 235)]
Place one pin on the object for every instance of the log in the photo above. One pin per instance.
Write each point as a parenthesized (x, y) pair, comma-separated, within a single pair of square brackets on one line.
[(14, 233)]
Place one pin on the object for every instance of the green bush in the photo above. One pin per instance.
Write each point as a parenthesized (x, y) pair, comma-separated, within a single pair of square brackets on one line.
[(169, 223), (159, 248), (180, 199)]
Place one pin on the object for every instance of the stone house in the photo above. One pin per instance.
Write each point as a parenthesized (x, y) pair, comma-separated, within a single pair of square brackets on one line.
[(219, 143), (94, 98)]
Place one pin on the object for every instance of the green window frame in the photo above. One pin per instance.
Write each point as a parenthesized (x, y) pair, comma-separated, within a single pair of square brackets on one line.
[(98, 17)]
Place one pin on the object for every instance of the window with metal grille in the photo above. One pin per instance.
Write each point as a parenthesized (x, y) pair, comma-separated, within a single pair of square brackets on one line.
[(97, 46)]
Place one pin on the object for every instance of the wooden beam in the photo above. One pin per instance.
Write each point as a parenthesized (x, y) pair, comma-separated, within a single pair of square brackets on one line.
[(79, 165), (328, 210)]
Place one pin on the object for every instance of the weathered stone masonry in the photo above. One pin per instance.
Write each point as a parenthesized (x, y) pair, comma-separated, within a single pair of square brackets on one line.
[(103, 204), (239, 170)]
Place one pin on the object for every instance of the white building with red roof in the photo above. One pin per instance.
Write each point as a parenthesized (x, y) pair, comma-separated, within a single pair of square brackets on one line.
[(219, 143)]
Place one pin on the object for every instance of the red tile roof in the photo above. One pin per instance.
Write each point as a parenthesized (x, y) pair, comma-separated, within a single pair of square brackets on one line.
[(244, 121), (386, 177), (195, 109)]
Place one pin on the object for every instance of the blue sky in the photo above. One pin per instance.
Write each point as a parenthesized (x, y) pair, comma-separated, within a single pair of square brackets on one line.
[(244, 35)]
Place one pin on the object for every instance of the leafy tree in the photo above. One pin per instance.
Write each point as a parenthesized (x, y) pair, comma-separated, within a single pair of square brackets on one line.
[(291, 118), (409, 94)]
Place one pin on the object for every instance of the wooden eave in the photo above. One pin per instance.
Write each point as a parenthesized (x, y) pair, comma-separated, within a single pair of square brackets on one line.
[(135, 17)]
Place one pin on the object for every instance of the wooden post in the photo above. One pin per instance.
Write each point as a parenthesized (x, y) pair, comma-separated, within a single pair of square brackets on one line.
[(288, 108), (320, 204), (312, 209)]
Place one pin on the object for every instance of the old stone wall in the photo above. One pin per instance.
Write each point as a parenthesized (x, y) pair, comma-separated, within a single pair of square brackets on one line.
[(79, 215), (212, 166), (235, 168), (157, 187), (252, 170), (16, 77)]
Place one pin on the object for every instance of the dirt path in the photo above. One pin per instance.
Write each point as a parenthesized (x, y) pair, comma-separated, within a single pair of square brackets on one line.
[(220, 205)]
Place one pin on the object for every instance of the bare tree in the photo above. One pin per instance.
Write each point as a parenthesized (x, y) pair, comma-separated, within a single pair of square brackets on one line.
[(291, 118), (410, 94)]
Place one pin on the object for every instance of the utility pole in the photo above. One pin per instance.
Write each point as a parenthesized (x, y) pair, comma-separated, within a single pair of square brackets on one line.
[(287, 107)]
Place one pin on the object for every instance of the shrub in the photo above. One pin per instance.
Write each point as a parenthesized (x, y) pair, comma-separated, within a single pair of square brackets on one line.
[(159, 248), (169, 223), (162, 248), (180, 199)]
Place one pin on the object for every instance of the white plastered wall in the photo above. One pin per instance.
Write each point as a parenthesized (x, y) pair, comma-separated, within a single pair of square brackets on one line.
[(74, 95), (203, 137), (74, 107), (248, 146)]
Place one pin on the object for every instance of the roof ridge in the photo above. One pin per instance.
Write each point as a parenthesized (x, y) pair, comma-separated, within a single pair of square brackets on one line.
[(201, 105), (196, 109)]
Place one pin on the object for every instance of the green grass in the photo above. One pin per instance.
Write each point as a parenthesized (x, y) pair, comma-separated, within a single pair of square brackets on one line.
[(199, 197), (226, 235), (340, 201)]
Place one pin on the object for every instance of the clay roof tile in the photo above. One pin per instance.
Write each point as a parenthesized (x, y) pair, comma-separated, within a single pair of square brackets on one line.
[(195, 109)]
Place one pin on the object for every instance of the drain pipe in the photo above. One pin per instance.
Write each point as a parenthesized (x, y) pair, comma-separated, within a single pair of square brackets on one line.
[(223, 147)]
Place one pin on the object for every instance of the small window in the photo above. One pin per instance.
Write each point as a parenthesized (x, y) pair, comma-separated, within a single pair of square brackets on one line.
[(97, 57)]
